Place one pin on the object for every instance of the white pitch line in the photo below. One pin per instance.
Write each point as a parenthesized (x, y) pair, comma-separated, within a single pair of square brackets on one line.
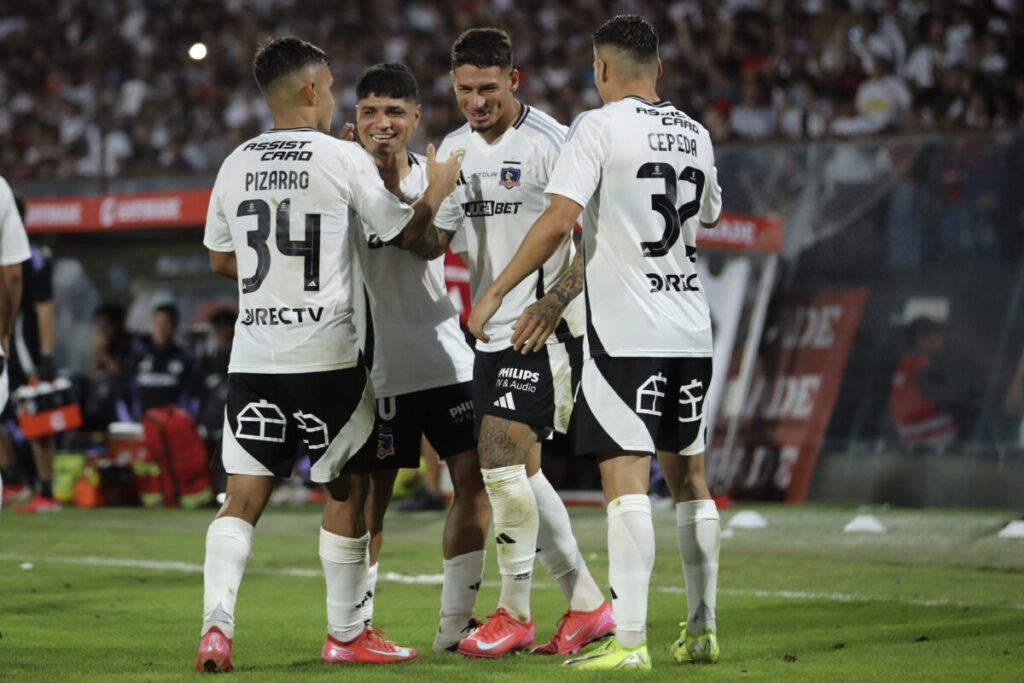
[(437, 580)]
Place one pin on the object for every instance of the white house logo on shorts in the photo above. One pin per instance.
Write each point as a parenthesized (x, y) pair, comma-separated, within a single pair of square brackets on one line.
[(649, 395), (691, 398), (261, 421), (315, 430)]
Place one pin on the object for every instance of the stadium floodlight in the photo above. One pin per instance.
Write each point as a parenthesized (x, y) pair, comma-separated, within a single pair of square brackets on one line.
[(197, 51)]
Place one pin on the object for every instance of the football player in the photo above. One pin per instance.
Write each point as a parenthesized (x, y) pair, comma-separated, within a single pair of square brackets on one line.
[(644, 172)]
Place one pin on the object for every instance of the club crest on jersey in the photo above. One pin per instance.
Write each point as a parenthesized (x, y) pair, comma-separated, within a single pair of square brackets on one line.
[(510, 177)]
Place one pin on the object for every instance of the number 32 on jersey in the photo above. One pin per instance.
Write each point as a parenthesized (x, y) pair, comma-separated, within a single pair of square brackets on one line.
[(665, 204)]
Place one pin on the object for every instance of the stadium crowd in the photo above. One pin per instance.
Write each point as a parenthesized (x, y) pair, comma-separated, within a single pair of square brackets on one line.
[(108, 88)]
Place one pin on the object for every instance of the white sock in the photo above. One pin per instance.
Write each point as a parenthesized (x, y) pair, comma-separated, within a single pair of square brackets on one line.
[(514, 511), (559, 552), (700, 535), (630, 562), (345, 566), (228, 549), (369, 588), (462, 577)]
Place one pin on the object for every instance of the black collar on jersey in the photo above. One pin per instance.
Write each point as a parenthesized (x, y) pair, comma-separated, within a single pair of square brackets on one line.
[(293, 130), (522, 115), (412, 158), (659, 103)]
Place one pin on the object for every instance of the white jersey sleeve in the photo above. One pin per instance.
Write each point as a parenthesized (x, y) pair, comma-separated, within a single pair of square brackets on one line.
[(381, 212), (578, 171), (13, 240), (711, 208)]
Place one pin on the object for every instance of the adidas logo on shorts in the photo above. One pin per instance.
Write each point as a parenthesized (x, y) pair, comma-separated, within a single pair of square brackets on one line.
[(506, 402)]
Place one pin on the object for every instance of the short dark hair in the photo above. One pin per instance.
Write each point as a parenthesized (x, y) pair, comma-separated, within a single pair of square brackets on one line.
[(387, 80), (171, 310), (19, 202), (281, 56), (482, 47), (629, 32)]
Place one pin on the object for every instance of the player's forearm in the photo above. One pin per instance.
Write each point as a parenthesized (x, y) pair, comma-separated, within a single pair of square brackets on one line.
[(570, 284), (224, 263), (12, 282), (432, 243), (47, 327)]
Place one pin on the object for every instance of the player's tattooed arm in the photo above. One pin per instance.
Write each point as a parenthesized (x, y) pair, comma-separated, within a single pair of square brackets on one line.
[(540, 319), (433, 242)]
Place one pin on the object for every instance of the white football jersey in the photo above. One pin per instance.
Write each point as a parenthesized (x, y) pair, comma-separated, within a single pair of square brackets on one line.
[(282, 204), (646, 174), (13, 240), (418, 343), (499, 196)]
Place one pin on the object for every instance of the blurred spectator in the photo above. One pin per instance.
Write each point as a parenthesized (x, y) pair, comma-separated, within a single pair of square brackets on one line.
[(922, 393), (213, 387), (108, 88), (162, 371), (109, 379), (1013, 403)]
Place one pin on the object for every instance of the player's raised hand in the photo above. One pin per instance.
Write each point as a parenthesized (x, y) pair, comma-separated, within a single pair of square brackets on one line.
[(389, 173), (348, 132), (443, 174), (481, 313), (536, 324)]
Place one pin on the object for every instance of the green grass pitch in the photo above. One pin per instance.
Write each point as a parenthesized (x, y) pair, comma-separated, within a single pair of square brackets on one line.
[(116, 594)]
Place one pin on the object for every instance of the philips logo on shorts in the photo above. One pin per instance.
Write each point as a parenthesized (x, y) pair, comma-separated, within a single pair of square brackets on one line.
[(518, 379), (461, 412), (519, 373), (691, 401), (649, 395)]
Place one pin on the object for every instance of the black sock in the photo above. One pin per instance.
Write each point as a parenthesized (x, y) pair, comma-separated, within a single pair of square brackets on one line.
[(46, 489), (11, 475)]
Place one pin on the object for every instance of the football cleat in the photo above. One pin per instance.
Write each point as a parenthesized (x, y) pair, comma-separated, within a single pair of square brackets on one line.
[(502, 634), (39, 504), (448, 641), (700, 648), (611, 656), (366, 648), (576, 629), (16, 493), (214, 654)]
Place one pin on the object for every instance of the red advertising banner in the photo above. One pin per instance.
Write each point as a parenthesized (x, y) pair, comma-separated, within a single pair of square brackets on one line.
[(180, 208), (761, 234), (801, 362)]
